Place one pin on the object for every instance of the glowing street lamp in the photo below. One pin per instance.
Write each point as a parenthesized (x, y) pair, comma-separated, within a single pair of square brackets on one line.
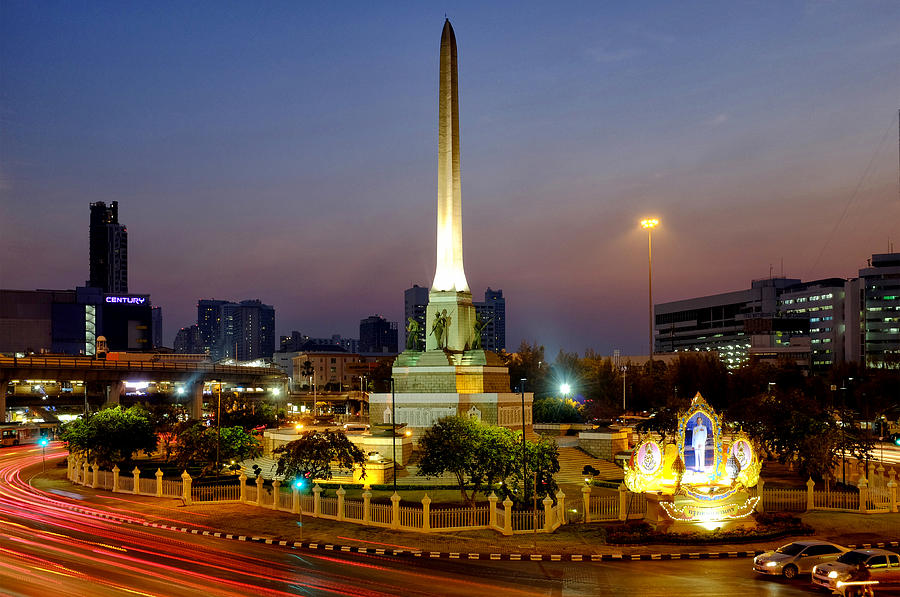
[(565, 389), (649, 224)]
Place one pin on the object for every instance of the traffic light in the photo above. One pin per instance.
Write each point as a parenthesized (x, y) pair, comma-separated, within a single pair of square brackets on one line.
[(43, 442), (298, 484)]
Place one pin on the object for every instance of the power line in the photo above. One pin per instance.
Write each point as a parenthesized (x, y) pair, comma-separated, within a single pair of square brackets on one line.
[(859, 184)]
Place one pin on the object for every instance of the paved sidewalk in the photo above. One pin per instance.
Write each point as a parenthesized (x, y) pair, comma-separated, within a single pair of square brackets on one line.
[(569, 542)]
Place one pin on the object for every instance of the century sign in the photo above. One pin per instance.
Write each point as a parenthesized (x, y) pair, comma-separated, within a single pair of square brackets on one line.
[(133, 300)]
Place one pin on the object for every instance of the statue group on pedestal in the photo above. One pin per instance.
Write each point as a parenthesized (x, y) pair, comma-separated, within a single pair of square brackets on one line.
[(439, 327)]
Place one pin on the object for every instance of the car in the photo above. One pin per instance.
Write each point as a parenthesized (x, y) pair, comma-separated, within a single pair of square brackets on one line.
[(883, 567), (796, 558)]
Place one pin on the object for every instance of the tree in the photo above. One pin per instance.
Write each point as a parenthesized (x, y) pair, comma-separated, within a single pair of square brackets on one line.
[(483, 457), (556, 410), (311, 456), (111, 436), (542, 458), (197, 445), (529, 363), (240, 411)]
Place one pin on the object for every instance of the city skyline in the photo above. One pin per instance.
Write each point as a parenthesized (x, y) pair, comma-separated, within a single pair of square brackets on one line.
[(755, 135)]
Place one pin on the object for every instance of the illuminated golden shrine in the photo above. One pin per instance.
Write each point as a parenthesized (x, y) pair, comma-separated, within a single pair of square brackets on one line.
[(703, 478)]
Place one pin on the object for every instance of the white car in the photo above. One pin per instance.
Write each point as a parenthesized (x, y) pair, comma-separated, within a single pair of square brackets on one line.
[(883, 566), (796, 558)]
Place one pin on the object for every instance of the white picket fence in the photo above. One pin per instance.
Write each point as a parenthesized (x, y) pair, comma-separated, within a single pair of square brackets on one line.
[(418, 517), (877, 494)]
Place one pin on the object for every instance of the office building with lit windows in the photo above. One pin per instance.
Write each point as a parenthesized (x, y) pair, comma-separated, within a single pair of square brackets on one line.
[(877, 294), (725, 322), (822, 303)]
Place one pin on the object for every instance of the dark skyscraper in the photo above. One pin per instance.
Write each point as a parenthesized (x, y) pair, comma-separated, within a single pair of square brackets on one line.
[(415, 304), (377, 335), (244, 331), (493, 310), (108, 249)]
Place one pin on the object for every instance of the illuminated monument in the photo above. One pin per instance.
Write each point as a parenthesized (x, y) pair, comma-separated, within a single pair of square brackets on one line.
[(452, 375), (703, 478)]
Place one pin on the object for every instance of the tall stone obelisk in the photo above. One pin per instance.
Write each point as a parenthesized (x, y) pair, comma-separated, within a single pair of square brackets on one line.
[(449, 301), (449, 377)]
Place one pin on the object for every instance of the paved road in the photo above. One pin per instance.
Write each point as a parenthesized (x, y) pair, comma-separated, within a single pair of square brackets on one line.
[(48, 549)]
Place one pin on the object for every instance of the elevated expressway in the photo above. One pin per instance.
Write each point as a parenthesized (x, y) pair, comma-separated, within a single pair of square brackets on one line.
[(114, 374)]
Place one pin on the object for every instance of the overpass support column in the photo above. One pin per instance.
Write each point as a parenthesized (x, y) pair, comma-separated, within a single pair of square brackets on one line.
[(195, 405), (4, 385), (114, 392)]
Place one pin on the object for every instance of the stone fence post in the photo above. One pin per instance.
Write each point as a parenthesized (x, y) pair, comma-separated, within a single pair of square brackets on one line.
[(548, 513), (492, 510), (586, 502), (259, 490), (295, 499), (86, 470), (561, 507), (760, 489), (69, 461), (507, 518), (863, 494), (137, 480), (317, 500), (367, 502), (276, 493), (116, 472), (186, 488), (242, 489), (426, 512), (810, 500), (623, 502), (159, 479), (95, 477), (341, 492), (395, 511), (892, 488)]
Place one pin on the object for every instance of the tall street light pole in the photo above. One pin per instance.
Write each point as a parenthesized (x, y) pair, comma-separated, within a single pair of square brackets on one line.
[(394, 434), (524, 463), (649, 224)]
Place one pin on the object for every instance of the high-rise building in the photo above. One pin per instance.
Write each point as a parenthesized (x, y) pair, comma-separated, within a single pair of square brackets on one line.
[(188, 341), (244, 331), (108, 249), (415, 304), (493, 312), (877, 299), (252, 327), (821, 302), (210, 321), (377, 335), (156, 322)]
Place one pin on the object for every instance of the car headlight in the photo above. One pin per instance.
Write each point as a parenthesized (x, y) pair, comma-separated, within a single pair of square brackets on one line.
[(771, 564), (833, 574)]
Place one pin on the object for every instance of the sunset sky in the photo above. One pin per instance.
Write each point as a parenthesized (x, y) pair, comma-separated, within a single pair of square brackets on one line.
[(288, 152)]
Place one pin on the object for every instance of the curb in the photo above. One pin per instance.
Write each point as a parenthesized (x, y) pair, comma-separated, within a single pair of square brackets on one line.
[(512, 557)]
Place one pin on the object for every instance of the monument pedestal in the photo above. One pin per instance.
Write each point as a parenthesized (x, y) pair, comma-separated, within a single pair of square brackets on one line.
[(435, 384)]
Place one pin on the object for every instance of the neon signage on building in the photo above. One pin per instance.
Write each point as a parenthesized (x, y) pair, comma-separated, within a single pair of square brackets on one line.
[(131, 300)]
